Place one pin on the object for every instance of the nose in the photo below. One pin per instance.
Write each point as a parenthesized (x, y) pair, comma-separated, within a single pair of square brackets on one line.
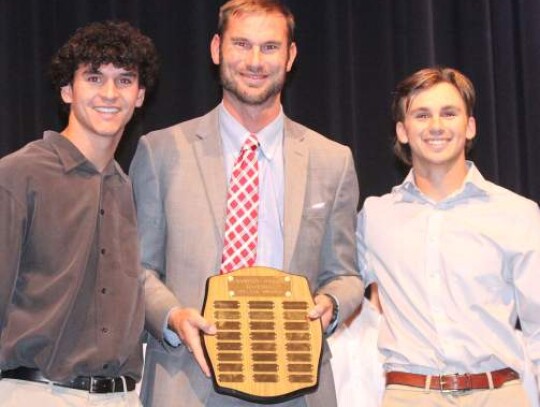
[(254, 57), (109, 90), (436, 126)]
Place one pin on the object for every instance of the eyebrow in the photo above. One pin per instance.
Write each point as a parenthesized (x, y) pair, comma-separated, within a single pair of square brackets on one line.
[(427, 108), (130, 73), (251, 42)]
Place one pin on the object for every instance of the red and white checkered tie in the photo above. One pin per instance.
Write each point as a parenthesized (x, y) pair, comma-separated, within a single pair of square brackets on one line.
[(241, 225)]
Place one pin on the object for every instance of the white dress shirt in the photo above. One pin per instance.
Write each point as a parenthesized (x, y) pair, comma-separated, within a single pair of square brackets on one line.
[(454, 276), (356, 361)]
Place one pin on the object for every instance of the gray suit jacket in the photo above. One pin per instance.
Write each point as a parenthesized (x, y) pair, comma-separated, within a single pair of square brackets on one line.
[(180, 189)]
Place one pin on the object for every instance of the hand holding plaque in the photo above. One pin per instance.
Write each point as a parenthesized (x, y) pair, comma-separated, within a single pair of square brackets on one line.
[(266, 349)]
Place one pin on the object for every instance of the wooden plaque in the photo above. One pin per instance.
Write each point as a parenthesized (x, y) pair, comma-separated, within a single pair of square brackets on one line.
[(266, 350)]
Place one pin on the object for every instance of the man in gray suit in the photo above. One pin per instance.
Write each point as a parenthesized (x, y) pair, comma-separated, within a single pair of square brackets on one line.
[(306, 224)]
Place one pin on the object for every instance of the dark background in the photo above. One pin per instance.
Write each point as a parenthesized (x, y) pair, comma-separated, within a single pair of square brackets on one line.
[(351, 55)]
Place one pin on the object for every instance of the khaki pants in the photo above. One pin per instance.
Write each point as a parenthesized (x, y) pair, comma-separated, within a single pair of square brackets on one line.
[(20, 393), (511, 394)]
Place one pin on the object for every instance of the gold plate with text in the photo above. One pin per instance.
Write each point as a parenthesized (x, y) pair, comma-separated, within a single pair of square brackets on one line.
[(266, 349)]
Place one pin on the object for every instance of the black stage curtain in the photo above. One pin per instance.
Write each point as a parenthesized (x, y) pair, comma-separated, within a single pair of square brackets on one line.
[(351, 55)]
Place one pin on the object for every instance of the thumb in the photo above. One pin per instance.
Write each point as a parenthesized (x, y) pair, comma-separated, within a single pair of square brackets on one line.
[(316, 312), (205, 326)]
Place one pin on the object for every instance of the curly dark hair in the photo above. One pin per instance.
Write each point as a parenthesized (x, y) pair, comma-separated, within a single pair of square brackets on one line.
[(106, 42)]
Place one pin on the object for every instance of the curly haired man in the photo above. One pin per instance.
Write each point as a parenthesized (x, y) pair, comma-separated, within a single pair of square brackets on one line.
[(71, 307)]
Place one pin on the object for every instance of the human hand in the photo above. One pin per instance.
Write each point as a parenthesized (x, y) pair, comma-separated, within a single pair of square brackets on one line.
[(187, 323), (323, 309)]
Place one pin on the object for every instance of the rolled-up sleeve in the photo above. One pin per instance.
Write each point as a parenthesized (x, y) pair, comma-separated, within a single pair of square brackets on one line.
[(363, 255)]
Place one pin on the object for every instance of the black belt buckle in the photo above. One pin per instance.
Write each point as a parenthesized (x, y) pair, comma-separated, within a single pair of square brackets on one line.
[(102, 385)]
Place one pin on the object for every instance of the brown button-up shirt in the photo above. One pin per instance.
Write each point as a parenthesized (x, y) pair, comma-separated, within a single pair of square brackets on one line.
[(71, 286)]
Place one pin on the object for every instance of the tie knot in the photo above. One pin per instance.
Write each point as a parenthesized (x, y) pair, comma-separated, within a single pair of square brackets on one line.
[(251, 142)]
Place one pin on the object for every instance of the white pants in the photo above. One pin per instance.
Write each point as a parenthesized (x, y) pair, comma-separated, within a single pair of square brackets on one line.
[(20, 393)]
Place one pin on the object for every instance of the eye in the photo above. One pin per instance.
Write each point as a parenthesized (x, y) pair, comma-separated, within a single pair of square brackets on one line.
[(93, 78), (421, 116), (242, 44), (449, 114), (125, 81), (269, 48)]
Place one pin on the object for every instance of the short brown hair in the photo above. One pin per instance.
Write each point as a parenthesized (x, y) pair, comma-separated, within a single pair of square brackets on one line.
[(422, 80), (237, 7)]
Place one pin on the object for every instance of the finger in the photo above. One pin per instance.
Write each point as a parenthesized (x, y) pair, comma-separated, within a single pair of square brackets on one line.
[(193, 345), (316, 312), (322, 306), (200, 323), (198, 354)]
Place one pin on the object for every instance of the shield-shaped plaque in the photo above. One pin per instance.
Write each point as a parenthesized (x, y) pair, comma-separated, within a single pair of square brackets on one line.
[(266, 350)]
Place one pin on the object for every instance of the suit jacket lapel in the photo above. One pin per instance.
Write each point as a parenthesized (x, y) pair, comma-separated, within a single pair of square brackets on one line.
[(209, 156), (296, 166)]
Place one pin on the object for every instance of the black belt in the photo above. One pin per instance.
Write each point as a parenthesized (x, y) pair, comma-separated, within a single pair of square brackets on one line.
[(91, 384)]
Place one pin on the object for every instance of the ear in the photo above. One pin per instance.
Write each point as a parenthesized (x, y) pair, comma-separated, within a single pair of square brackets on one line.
[(66, 93), (215, 45), (401, 133), (470, 132), (292, 55), (140, 97)]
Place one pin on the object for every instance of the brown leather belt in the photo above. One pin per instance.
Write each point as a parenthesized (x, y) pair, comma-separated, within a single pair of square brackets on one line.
[(91, 384), (456, 382)]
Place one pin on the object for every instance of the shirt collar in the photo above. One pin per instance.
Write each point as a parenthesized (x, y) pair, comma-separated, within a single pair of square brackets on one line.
[(270, 137), (71, 158), (474, 185)]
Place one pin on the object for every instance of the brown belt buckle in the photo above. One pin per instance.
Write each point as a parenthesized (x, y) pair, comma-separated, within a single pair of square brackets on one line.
[(454, 379)]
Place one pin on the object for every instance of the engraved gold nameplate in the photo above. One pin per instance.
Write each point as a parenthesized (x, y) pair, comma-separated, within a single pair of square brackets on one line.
[(266, 349)]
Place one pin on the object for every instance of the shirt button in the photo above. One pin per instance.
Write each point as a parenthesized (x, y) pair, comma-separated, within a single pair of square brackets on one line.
[(102, 211), (105, 366), (104, 330), (103, 291), (103, 251)]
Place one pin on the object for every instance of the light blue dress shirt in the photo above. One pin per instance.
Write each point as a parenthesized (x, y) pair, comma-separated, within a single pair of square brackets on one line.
[(453, 276), (271, 181), (271, 185)]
